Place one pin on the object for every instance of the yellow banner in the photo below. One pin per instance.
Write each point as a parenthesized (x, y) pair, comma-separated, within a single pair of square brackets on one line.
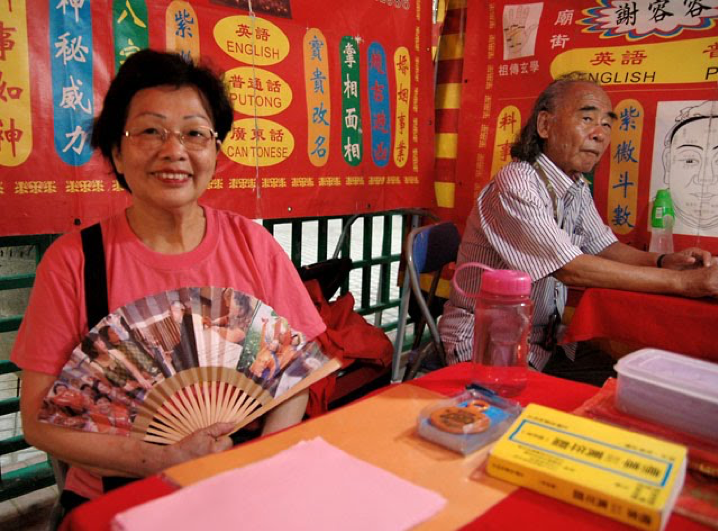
[(15, 109), (402, 72), (319, 108), (179, 36), (688, 61), (255, 91), (251, 40), (623, 182), (259, 142), (508, 125)]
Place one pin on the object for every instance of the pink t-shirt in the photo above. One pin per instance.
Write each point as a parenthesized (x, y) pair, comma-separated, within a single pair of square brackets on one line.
[(235, 252)]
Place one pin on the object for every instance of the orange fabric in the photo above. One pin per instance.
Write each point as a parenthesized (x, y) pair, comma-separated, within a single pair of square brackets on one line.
[(380, 430), (348, 337)]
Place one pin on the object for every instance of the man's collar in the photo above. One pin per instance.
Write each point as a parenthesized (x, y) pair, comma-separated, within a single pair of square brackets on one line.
[(559, 180)]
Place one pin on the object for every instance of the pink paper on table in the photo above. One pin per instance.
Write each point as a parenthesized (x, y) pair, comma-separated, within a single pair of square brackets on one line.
[(312, 485)]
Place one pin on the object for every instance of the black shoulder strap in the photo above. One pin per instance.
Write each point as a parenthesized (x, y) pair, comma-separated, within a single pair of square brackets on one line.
[(95, 274), (96, 303)]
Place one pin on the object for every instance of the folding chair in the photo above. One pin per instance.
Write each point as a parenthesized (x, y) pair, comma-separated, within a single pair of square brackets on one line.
[(428, 249)]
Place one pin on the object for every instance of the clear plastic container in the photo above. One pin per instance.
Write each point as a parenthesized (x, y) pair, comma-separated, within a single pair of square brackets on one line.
[(662, 219), (466, 435), (661, 240), (502, 322), (670, 389)]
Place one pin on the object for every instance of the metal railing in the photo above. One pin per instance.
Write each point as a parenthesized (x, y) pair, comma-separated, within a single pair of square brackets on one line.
[(34, 476), (374, 264)]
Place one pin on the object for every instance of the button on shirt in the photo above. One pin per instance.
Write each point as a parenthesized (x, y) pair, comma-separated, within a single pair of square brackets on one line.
[(515, 224)]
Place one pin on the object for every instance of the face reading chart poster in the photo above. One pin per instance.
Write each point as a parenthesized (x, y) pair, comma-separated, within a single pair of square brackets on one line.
[(658, 62), (333, 103)]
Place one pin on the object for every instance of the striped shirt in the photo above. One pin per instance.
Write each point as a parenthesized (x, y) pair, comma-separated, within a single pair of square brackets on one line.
[(514, 225)]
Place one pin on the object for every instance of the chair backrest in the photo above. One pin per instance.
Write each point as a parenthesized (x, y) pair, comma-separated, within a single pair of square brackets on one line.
[(431, 247), (428, 249)]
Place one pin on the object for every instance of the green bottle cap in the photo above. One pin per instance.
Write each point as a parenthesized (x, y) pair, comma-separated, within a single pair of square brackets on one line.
[(662, 208)]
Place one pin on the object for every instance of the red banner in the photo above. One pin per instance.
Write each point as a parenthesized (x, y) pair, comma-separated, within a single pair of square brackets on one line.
[(332, 103), (657, 60)]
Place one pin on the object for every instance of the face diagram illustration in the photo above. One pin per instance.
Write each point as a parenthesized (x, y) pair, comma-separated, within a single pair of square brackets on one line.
[(519, 28), (689, 157)]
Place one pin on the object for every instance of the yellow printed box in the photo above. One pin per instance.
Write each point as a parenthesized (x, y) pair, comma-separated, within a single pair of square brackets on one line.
[(623, 475)]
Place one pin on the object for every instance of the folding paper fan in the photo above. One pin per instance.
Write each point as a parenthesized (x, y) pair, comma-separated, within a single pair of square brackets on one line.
[(167, 365)]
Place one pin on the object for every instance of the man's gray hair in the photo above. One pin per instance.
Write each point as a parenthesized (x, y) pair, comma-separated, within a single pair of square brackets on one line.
[(529, 144)]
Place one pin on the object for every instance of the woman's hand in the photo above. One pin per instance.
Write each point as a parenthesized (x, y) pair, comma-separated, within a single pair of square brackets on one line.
[(210, 440), (109, 455)]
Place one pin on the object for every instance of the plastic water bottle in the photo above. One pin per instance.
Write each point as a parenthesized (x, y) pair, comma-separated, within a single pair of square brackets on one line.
[(502, 314), (662, 218)]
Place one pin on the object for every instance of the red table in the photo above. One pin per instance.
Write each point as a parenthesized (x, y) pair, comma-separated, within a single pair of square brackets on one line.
[(678, 324), (522, 509)]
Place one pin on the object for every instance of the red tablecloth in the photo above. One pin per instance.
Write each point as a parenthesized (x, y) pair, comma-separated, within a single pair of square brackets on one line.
[(523, 509), (670, 323)]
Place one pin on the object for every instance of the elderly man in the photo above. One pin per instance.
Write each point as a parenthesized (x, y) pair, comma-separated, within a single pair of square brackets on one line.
[(537, 215)]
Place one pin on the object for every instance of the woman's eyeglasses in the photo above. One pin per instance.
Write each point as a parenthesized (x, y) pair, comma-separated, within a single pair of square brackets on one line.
[(193, 138)]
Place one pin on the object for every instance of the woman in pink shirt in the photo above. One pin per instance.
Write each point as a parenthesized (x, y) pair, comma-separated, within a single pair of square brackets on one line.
[(161, 127)]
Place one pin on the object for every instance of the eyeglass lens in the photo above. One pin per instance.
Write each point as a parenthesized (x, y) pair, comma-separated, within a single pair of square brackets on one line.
[(196, 137)]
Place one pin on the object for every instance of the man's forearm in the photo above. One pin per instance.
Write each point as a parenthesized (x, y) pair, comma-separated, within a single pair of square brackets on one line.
[(598, 271), (625, 254)]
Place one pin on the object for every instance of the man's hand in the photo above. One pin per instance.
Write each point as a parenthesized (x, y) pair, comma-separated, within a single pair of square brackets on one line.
[(701, 282), (690, 258)]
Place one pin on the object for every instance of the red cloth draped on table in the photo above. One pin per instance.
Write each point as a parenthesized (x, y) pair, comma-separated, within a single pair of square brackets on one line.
[(677, 324)]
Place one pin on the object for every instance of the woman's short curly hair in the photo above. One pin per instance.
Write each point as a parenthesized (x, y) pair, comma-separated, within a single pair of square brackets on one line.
[(150, 68), (529, 144)]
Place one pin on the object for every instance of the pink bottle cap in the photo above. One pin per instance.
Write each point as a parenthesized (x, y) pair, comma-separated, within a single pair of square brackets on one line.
[(506, 282)]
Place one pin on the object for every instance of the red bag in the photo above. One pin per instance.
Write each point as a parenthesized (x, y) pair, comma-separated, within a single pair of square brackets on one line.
[(348, 338)]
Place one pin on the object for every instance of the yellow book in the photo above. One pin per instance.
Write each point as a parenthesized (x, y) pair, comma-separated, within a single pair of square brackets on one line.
[(620, 474)]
